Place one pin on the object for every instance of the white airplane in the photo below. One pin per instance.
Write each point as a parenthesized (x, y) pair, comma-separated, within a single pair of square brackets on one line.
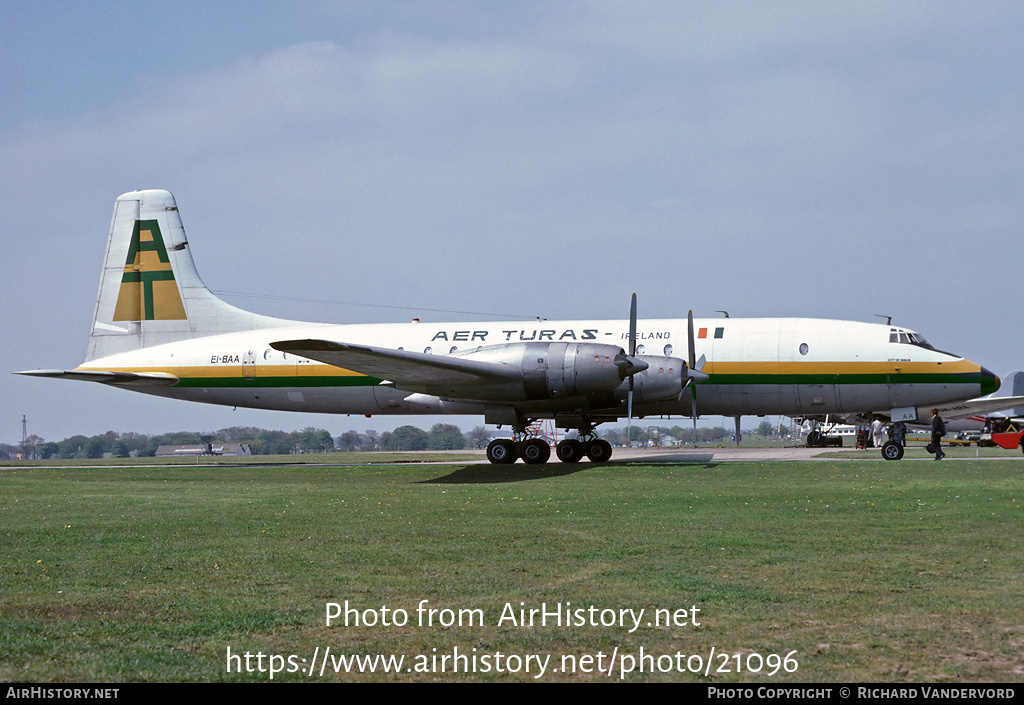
[(1003, 427), (157, 329)]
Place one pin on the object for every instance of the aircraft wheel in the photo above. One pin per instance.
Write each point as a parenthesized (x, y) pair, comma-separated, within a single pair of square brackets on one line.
[(891, 450), (599, 451), (569, 451), (814, 439), (535, 451), (501, 451)]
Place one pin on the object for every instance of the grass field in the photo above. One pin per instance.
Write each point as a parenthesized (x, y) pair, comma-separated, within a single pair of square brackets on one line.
[(856, 570)]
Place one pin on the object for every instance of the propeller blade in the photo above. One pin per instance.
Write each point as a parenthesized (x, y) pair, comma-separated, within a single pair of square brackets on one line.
[(632, 355), (693, 412), (693, 374), (689, 335), (696, 373), (632, 327)]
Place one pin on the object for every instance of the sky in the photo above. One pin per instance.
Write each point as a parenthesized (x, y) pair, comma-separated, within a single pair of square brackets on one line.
[(379, 161)]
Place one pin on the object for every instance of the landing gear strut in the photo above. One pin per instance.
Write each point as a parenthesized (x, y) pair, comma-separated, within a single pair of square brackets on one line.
[(892, 449), (598, 450)]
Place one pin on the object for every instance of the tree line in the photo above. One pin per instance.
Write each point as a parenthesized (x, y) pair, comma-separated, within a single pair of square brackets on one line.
[(317, 440), (260, 441)]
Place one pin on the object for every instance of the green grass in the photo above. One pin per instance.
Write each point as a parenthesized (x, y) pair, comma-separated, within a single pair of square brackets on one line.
[(869, 571), (916, 450), (354, 458)]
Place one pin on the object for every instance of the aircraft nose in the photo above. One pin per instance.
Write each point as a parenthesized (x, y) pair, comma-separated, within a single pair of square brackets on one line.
[(989, 382)]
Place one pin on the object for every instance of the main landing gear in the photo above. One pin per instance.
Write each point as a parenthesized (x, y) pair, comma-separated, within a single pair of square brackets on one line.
[(535, 450), (503, 451), (571, 450)]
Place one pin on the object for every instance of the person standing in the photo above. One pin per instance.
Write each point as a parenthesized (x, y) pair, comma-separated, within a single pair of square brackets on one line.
[(938, 431), (877, 428)]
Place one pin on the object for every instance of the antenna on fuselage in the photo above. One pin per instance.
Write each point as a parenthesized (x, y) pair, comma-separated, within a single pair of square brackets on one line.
[(888, 319)]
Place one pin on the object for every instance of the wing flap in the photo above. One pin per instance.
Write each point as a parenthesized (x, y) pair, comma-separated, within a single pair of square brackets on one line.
[(402, 367)]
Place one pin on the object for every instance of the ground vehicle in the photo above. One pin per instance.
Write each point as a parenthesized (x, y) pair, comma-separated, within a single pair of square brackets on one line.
[(1004, 432)]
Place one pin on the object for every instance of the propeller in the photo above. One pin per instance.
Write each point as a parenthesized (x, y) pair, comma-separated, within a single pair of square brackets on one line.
[(632, 354), (695, 373), (630, 365)]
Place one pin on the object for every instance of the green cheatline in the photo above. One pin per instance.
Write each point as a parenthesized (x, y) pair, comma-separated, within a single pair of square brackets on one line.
[(718, 379), (847, 379), (333, 381)]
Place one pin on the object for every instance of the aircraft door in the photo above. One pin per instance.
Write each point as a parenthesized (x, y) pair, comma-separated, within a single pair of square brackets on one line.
[(249, 364)]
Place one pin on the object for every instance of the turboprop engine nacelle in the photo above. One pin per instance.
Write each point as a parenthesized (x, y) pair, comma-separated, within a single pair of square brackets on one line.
[(661, 381), (557, 370)]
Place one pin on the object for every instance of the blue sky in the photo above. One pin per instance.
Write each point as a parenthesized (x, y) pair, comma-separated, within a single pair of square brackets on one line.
[(792, 159)]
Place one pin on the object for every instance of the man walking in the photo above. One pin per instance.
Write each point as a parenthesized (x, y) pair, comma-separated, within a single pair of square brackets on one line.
[(938, 431)]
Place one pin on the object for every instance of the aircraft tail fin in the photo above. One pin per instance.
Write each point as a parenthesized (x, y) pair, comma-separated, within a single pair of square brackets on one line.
[(150, 291), (1012, 386)]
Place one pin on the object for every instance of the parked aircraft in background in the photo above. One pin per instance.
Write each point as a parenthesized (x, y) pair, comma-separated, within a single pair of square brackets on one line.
[(1002, 426), (157, 329), (970, 417)]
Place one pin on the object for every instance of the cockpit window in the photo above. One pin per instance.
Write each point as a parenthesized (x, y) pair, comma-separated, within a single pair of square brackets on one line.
[(898, 335)]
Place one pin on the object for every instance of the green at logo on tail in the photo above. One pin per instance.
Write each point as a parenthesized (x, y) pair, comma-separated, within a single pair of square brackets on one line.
[(148, 290)]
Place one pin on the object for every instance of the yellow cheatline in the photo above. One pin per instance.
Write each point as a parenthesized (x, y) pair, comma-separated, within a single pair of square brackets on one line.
[(221, 371)]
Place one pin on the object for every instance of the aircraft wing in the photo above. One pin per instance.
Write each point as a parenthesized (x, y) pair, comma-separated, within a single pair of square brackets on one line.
[(401, 367), (135, 379)]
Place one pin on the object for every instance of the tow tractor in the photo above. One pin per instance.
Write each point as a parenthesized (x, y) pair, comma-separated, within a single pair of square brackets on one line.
[(1006, 433)]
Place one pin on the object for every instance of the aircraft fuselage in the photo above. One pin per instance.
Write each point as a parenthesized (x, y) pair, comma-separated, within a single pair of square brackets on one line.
[(790, 366)]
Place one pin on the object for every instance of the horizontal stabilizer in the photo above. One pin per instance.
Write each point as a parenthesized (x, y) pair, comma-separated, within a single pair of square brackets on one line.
[(402, 367), (983, 406), (135, 379)]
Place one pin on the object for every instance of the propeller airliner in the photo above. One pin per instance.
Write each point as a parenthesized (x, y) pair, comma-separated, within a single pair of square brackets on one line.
[(159, 330)]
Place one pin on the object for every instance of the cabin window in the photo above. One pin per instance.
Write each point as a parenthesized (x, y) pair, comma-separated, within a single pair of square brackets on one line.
[(803, 348), (668, 351)]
